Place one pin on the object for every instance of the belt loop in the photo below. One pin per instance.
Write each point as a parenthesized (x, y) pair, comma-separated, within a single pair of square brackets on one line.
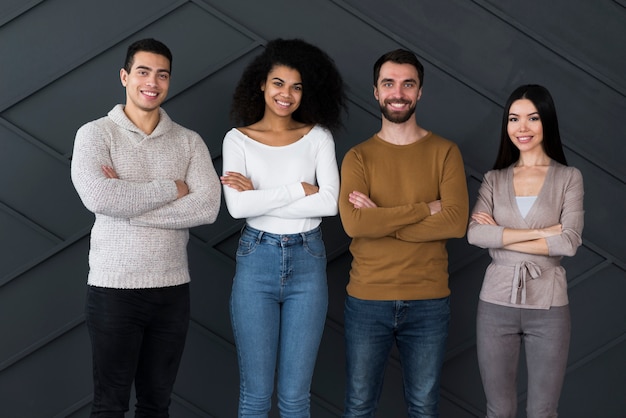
[(259, 236)]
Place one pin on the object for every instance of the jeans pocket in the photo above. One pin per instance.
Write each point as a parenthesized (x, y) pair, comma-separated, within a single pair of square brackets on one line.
[(246, 246), (315, 247)]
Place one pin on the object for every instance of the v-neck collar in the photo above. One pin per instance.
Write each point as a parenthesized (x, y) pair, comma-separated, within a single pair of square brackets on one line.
[(512, 197)]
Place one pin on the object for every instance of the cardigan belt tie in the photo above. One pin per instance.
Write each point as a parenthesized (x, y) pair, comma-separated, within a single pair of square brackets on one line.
[(523, 270)]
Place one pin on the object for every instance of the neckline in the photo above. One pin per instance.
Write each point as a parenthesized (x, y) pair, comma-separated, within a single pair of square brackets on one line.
[(422, 140), (514, 197), (275, 146)]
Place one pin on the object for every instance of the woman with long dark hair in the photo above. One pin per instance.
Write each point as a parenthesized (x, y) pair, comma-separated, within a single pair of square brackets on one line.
[(529, 214), (280, 173)]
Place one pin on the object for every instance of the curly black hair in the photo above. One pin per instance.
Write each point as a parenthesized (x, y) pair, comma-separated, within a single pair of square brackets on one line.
[(323, 97)]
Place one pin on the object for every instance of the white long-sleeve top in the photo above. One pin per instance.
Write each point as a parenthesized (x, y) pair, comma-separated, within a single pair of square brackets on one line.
[(140, 234), (278, 203)]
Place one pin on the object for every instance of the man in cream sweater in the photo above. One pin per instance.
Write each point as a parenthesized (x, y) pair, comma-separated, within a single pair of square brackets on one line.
[(147, 180), (403, 194)]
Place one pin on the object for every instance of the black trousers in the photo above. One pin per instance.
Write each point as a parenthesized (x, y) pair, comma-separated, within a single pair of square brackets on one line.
[(136, 335)]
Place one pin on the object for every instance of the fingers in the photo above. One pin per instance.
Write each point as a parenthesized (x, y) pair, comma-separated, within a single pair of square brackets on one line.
[(182, 189), (483, 218), (360, 200), (236, 181), (109, 172), (309, 189), (434, 206)]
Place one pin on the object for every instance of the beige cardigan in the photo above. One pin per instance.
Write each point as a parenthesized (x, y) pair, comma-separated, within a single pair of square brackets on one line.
[(526, 280)]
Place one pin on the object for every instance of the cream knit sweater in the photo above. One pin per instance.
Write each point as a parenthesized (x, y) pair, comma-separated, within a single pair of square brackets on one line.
[(139, 238)]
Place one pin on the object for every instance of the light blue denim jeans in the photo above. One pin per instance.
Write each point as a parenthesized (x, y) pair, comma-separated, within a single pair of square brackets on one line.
[(419, 328), (278, 309)]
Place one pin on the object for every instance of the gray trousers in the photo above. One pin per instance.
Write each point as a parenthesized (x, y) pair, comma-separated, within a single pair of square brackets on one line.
[(500, 331)]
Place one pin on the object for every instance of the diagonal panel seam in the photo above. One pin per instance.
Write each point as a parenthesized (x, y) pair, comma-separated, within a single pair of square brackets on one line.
[(545, 43), (454, 74), (18, 11), (93, 52)]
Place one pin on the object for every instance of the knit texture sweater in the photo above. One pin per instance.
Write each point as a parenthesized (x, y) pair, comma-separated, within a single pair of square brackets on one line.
[(278, 203), (398, 248), (518, 279), (140, 234)]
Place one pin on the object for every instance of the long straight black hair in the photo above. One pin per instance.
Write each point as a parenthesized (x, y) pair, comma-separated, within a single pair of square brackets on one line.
[(541, 98)]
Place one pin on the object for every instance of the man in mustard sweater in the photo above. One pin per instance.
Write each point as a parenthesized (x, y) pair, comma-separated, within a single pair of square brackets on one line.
[(403, 194)]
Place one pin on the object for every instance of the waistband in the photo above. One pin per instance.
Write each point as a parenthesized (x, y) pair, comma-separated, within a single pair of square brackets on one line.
[(281, 239)]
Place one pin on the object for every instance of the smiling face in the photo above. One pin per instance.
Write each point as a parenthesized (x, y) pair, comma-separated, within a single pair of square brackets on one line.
[(524, 126), (282, 90), (147, 83), (397, 91)]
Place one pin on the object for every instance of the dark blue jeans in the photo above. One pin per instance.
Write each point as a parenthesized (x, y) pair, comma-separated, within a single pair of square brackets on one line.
[(136, 334), (419, 328)]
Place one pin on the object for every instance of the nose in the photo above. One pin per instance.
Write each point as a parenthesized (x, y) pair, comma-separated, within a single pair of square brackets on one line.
[(397, 90), (151, 80), (523, 126)]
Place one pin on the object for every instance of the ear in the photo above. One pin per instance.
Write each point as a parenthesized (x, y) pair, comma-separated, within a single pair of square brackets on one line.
[(419, 94), (376, 92), (123, 77)]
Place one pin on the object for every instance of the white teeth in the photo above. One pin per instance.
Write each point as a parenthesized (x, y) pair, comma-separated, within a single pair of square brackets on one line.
[(282, 103), (397, 105), (150, 93)]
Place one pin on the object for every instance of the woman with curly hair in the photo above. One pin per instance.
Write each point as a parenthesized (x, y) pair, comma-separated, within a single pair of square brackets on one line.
[(280, 173), (529, 214)]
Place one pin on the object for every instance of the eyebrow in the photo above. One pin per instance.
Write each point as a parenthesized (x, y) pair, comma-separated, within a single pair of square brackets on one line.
[(160, 70), (532, 113), (409, 80), (283, 81)]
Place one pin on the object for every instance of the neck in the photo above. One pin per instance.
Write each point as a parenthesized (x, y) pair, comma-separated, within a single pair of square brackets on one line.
[(533, 159), (401, 133), (147, 121), (273, 123)]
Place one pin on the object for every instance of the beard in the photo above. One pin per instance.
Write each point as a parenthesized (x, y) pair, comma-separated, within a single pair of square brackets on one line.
[(397, 117)]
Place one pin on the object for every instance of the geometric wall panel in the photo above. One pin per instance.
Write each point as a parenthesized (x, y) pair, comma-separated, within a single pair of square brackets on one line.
[(60, 69)]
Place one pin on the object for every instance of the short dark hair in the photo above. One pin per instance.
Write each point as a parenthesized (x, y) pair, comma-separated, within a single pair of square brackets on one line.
[(323, 97), (146, 45), (542, 100), (399, 56)]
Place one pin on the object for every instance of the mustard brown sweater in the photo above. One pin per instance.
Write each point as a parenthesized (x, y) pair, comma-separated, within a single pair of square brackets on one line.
[(398, 248)]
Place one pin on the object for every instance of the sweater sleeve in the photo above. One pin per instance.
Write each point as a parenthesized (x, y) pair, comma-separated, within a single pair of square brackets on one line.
[(485, 236), (200, 206), (111, 197), (572, 218), (451, 222), (371, 222), (324, 202), (252, 203)]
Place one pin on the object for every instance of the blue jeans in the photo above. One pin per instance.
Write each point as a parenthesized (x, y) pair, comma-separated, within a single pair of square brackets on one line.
[(136, 334), (278, 310), (419, 328)]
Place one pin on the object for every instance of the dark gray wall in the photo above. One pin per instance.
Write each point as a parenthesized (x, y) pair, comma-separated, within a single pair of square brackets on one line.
[(59, 62)]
